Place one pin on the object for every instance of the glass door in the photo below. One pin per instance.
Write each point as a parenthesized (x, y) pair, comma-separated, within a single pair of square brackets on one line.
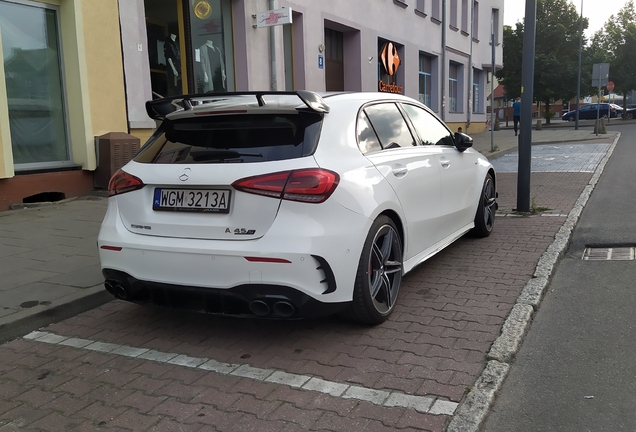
[(35, 97)]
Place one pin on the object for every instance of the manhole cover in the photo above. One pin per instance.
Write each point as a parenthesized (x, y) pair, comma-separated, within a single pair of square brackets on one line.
[(622, 253)]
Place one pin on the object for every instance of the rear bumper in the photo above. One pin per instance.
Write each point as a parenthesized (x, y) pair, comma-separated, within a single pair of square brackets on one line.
[(250, 300), (316, 254)]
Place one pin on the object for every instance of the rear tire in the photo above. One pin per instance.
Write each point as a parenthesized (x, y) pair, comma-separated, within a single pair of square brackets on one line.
[(379, 274), (486, 209)]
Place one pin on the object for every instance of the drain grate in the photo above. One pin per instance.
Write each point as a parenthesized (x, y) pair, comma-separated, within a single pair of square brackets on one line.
[(622, 253)]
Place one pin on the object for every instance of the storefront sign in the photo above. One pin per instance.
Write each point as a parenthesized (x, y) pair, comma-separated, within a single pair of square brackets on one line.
[(274, 17), (391, 62)]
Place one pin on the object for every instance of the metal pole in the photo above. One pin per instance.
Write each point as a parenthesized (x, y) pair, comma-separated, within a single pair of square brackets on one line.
[(470, 67), (272, 51), (527, 96), (443, 60), (578, 81), (492, 88)]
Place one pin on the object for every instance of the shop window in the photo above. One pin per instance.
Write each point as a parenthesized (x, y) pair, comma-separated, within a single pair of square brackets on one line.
[(190, 46), (32, 67), (211, 36), (164, 26)]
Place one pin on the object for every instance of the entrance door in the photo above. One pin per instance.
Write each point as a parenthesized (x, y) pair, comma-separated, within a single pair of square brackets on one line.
[(334, 60)]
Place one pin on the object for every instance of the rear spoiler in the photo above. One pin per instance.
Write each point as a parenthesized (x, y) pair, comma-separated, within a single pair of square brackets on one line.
[(158, 109)]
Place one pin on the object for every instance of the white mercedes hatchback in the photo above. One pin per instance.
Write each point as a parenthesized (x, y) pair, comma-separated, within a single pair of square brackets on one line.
[(289, 204)]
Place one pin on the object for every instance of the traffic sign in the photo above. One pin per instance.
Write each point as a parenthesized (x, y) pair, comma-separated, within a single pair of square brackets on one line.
[(610, 86)]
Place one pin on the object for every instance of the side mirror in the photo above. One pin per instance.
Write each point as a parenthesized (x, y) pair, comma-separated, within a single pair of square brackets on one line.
[(462, 141)]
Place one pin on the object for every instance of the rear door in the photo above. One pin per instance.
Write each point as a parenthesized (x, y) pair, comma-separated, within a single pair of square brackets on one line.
[(386, 140)]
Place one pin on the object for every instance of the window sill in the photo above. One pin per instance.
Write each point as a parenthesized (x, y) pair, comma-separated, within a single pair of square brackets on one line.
[(453, 28), (401, 3), (465, 33), (435, 20), (420, 13), (475, 40)]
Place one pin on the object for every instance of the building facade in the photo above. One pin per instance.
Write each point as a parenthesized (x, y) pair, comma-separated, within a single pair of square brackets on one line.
[(64, 85), (96, 63)]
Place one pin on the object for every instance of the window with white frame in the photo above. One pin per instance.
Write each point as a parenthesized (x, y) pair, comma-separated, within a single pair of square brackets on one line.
[(453, 87), (425, 79), (477, 89)]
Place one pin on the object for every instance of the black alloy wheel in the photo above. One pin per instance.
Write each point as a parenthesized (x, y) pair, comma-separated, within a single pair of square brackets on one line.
[(486, 209), (379, 274)]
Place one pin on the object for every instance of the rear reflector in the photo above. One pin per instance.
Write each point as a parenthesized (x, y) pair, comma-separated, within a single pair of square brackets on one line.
[(268, 260), (111, 248), (312, 185)]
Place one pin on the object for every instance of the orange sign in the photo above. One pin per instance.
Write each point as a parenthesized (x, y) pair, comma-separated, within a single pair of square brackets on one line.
[(391, 62), (390, 58)]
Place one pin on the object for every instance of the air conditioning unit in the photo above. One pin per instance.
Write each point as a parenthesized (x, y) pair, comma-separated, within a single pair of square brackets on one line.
[(114, 150)]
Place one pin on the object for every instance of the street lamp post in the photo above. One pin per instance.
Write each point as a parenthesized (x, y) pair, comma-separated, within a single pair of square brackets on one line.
[(578, 81)]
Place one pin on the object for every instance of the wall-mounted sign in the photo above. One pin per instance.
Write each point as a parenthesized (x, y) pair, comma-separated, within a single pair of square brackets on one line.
[(391, 63), (321, 61), (274, 17)]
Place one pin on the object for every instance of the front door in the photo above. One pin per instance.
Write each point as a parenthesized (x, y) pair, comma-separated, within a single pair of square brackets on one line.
[(334, 60)]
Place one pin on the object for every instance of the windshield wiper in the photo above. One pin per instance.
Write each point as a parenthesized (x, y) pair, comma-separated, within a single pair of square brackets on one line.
[(221, 155)]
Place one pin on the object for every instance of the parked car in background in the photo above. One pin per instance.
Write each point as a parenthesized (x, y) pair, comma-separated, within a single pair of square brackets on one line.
[(289, 204), (630, 113), (589, 112)]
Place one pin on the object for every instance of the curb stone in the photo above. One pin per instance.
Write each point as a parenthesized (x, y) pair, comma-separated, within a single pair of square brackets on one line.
[(473, 410)]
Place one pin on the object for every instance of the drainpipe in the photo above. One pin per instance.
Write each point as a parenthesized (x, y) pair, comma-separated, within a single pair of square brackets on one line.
[(470, 65), (272, 50), (443, 60)]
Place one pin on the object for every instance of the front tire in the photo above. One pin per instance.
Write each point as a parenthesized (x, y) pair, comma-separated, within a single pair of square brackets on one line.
[(379, 274), (486, 209)]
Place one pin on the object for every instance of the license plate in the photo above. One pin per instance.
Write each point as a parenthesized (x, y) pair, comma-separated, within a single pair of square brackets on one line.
[(195, 200)]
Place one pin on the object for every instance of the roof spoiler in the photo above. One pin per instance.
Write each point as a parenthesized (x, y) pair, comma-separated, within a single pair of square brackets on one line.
[(158, 109)]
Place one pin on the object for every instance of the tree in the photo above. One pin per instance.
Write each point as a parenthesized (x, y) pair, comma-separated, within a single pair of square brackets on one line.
[(615, 44), (556, 54)]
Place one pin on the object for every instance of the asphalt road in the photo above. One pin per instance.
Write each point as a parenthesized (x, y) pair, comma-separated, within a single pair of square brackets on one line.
[(576, 369)]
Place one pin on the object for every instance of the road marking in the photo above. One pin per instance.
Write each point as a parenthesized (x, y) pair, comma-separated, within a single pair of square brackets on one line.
[(424, 404)]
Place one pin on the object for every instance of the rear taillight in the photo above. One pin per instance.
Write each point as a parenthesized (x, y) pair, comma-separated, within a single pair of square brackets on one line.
[(122, 182), (313, 185)]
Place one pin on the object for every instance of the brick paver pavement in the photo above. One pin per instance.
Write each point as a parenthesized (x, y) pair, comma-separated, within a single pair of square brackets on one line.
[(450, 311)]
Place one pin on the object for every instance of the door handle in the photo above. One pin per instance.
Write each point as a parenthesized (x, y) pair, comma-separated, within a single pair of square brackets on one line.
[(400, 171), (445, 163)]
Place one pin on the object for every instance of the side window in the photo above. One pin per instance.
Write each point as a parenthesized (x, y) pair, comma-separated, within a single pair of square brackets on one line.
[(367, 139), (429, 128), (389, 125)]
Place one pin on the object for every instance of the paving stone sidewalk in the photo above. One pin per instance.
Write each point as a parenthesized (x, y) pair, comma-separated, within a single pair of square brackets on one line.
[(451, 310)]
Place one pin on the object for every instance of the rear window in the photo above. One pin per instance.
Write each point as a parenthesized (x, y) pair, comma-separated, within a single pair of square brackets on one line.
[(233, 139)]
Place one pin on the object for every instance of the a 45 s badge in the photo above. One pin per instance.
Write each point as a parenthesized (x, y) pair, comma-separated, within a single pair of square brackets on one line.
[(240, 231)]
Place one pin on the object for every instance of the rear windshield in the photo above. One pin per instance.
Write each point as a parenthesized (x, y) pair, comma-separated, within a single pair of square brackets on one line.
[(233, 139)]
